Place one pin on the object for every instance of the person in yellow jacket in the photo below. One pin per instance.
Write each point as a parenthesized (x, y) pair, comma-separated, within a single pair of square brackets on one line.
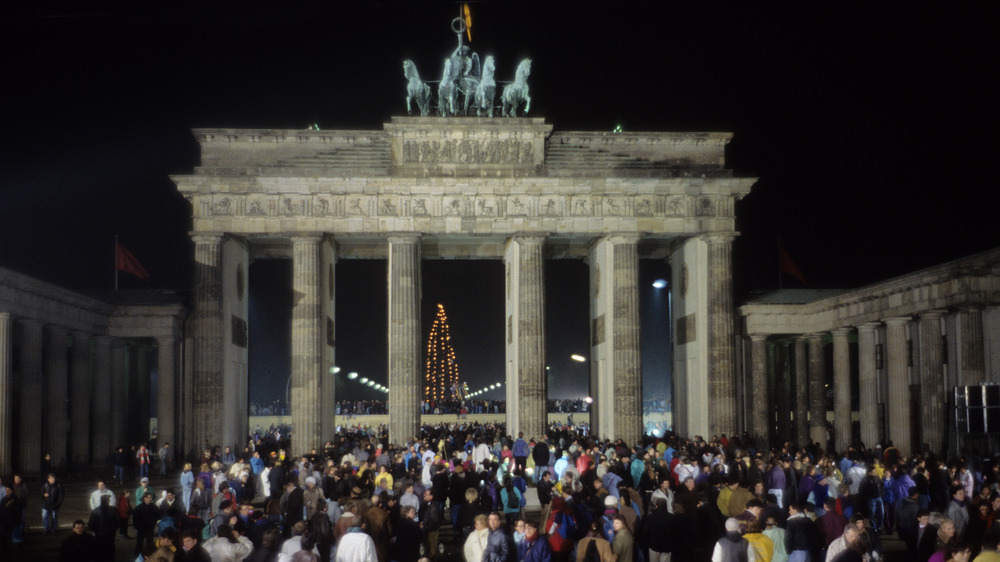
[(761, 546)]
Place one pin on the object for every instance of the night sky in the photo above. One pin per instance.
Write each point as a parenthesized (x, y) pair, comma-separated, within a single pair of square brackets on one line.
[(872, 129)]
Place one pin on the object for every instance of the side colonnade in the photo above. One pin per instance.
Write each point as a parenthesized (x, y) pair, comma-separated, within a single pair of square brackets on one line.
[(71, 368), (897, 349)]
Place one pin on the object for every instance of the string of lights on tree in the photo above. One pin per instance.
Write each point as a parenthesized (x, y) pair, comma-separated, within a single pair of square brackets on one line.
[(442, 368)]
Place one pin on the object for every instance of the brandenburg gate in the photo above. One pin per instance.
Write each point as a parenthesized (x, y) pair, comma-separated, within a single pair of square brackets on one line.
[(465, 188)]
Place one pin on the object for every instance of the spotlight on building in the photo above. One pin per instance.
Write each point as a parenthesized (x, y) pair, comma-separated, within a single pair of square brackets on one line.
[(578, 358), (659, 283), (352, 375), (363, 380), (334, 370), (588, 400), (371, 383)]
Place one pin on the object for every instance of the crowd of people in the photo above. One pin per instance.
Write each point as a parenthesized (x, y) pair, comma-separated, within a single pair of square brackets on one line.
[(360, 498)]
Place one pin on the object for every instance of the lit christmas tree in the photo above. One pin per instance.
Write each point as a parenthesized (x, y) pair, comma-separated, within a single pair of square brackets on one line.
[(442, 368)]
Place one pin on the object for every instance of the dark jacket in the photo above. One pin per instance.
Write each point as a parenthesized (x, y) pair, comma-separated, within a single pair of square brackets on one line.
[(145, 516), (55, 495), (734, 547), (432, 516), (800, 534), (103, 520), (499, 547), (405, 543), (537, 550), (658, 530)]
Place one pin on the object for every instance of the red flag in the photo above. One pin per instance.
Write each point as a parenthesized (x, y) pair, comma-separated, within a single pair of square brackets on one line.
[(786, 265), (125, 261)]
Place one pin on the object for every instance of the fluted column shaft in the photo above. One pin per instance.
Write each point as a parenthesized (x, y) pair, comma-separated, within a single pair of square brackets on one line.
[(801, 392), (783, 389), (56, 393), (721, 348), (166, 383), (83, 389), (405, 390), (525, 349), (328, 398), (616, 358), (868, 383), (932, 384), (761, 412), (100, 442), (972, 361), (31, 394), (841, 389), (119, 394), (207, 393), (898, 400), (307, 344), (6, 391), (817, 391)]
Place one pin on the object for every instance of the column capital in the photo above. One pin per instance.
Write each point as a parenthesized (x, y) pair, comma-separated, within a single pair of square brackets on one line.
[(815, 336), (529, 237), (718, 237), (869, 327), (758, 337), (403, 238), (932, 314), (841, 332), (103, 339), (165, 340), (898, 321), (970, 308), (206, 238), (619, 238), (307, 238), (6, 317), (81, 334), (57, 329)]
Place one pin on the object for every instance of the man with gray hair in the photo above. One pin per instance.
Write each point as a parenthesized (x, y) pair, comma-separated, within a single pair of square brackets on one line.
[(846, 541)]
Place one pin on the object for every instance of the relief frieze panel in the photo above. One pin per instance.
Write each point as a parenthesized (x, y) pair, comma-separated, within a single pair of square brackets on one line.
[(480, 206), (468, 151)]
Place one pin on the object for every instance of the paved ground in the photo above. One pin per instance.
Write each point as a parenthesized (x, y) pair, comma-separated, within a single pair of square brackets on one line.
[(38, 547)]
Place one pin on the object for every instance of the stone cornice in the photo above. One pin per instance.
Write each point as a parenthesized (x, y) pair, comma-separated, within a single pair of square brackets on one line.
[(973, 281), (27, 297)]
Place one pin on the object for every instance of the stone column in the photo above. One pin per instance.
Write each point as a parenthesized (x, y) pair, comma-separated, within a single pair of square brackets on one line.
[(868, 383), (801, 393), (721, 351), (841, 389), (817, 391), (166, 383), (206, 415), (100, 442), (82, 383), (119, 394), (932, 384), (761, 422), (56, 393), (971, 366), (30, 417), (783, 389), (527, 379), (405, 388), (615, 353), (6, 391), (328, 397), (898, 400), (307, 344)]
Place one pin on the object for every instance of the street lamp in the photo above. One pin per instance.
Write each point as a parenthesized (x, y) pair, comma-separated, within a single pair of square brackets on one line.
[(578, 358)]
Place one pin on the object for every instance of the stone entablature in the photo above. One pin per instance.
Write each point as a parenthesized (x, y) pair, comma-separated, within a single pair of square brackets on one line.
[(27, 297), (258, 182), (969, 282)]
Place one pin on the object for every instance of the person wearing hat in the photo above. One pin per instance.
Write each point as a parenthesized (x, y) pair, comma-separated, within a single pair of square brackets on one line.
[(312, 497), (143, 489), (732, 545)]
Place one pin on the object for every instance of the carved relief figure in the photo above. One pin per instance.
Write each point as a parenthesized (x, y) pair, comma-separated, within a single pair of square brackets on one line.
[(255, 208), (419, 207), (705, 207), (613, 208), (517, 208), (454, 207), (356, 207), (644, 208), (387, 208), (322, 207), (550, 207), (580, 208), (675, 208), (485, 209)]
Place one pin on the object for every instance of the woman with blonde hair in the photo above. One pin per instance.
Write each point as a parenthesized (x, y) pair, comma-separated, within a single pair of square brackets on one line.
[(187, 485), (475, 545)]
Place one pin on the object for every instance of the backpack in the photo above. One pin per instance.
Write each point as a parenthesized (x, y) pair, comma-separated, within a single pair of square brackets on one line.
[(513, 502), (163, 523)]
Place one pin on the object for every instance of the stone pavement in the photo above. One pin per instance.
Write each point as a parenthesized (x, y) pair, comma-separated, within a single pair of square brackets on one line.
[(78, 486)]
